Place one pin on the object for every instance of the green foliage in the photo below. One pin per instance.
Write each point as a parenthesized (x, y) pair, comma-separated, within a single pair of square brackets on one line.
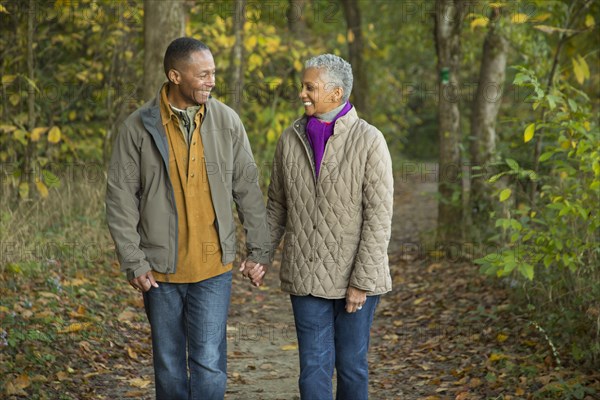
[(84, 77), (549, 225)]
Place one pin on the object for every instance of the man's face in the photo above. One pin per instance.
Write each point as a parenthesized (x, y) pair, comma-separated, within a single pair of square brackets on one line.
[(318, 95), (195, 78)]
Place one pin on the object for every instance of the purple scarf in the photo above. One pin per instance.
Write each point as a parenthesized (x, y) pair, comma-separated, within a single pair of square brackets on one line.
[(319, 132)]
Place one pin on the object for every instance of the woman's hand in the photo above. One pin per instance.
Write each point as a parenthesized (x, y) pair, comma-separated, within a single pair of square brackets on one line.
[(355, 298)]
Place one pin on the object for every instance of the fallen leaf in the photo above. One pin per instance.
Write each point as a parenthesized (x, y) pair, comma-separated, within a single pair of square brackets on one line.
[(76, 327), (288, 347), (132, 354), (140, 382), (126, 315), (62, 375), (501, 337)]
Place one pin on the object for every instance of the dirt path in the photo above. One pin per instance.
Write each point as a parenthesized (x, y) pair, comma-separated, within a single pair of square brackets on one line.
[(444, 332)]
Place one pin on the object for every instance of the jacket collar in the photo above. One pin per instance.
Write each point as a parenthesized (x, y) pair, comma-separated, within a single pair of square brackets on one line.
[(342, 124)]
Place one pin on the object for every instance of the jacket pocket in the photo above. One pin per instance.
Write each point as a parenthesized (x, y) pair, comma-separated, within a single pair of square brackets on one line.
[(289, 259)]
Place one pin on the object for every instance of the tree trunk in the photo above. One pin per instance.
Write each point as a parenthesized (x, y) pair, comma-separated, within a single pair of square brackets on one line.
[(360, 97), (295, 16), (28, 176), (237, 57), (164, 21), (483, 119), (448, 20)]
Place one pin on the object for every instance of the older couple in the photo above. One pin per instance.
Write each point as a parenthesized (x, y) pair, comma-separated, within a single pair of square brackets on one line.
[(330, 199)]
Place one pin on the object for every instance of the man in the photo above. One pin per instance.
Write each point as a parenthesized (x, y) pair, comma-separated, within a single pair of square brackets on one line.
[(177, 164)]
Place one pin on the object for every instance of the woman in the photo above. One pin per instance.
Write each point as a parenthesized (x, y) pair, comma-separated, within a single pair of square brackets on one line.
[(330, 198)]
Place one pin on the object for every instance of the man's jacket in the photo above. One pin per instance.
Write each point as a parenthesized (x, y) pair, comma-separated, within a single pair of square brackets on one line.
[(140, 202)]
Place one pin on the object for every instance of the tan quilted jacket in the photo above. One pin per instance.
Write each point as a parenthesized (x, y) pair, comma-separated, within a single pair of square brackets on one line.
[(336, 230)]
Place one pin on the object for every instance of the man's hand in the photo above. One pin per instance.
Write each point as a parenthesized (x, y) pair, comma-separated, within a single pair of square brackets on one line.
[(144, 282), (253, 271), (355, 298)]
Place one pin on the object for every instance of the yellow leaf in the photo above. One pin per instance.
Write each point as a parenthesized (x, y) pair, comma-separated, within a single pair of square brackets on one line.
[(418, 301), (24, 190), (37, 132), (54, 135), (350, 36), (8, 79), (4, 309), (519, 392), (496, 357), (22, 381), (501, 337), (505, 194), (132, 354), (14, 99), (589, 22), (497, 5), (519, 18), (566, 144), (7, 128), (529, 131), (584, 66), (254, 61), (288, 347), (587, 125), (298, 65), (250, 42), (72, 115), (3, 9), (481, 21), (578, 71), (341, 39), (541, 17), (42, 189), (76, 327), (140, 383)]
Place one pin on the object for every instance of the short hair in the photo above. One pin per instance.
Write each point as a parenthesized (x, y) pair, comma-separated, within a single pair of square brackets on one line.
[(338, 71), (179, 50)]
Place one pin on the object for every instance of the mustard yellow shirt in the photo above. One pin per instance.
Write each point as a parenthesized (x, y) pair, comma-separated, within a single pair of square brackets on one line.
[(199, 249)]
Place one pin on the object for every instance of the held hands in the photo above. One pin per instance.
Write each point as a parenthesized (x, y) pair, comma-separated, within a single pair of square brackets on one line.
[(253, 271), (355, 298), (144, 282)]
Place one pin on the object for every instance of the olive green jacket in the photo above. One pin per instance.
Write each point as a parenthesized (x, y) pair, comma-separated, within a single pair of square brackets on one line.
[(140, 202)]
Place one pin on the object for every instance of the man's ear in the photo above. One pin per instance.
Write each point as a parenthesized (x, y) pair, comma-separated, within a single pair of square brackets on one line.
[(174, 76)]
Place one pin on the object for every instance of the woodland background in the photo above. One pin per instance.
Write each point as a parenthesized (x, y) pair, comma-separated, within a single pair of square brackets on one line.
[(496, 102)]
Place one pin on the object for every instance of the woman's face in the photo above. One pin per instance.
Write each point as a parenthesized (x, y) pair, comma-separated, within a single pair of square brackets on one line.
[(318, 95)]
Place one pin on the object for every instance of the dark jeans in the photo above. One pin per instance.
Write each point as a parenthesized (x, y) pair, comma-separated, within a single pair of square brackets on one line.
[(189, 341), (328, 336)]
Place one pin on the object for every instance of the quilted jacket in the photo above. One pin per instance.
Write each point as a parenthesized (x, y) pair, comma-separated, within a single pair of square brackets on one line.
[(336, 229)]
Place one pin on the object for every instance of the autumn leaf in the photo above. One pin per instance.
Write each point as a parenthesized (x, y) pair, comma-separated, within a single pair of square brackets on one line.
[(479, 22), (140, 382), (36, 133), (501, 337), (42, 189), (289, 347), (132, 354), (505, 194), (54, 135), (519, 18), (75, 327), (529, 132)]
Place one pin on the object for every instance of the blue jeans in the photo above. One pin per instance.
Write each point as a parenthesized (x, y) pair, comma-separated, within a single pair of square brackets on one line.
[(189, 338), (328, 336)]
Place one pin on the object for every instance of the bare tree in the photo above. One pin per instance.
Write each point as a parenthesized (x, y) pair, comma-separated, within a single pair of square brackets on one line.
[(164, 21), (486, 105), (449, 15), (360, 96)]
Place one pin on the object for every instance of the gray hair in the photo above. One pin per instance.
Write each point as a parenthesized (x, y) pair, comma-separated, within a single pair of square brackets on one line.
[(337, 70)]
